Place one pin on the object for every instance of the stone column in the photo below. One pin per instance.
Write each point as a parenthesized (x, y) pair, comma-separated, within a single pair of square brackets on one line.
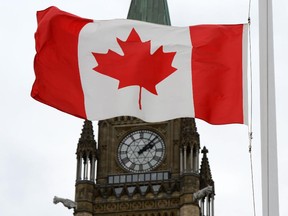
[(191, 159), (79, 168), (185, 159), (181, 160), (92, 170)]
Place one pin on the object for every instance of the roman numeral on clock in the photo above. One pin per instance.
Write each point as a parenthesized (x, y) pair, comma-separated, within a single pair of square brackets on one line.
[(123, 152), (159, 150), (141, 135), (132, 166), (125, 160), (156, 158)]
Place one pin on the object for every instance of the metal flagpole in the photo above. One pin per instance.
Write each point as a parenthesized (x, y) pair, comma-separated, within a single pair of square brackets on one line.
[(270, 202)]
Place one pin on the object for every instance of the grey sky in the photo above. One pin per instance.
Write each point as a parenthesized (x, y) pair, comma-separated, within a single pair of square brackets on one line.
[(38, 143)]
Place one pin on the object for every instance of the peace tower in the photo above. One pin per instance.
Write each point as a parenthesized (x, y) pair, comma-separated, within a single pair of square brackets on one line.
[(143, 169)]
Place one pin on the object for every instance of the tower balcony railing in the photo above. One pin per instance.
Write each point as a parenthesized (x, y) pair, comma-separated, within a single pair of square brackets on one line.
[(139, 177), (142, 183)]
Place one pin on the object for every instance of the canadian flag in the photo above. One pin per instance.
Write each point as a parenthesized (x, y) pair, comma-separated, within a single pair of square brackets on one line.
[(102, 69)]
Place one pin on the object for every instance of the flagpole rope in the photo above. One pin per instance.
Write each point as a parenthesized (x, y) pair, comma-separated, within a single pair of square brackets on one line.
[(249, 9), (250, 133)]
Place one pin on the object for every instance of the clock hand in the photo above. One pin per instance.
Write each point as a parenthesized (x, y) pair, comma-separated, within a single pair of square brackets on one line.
[(148, 146)]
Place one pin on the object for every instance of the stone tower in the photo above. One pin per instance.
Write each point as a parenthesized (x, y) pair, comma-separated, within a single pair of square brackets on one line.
[(139, 168), (143, 169)]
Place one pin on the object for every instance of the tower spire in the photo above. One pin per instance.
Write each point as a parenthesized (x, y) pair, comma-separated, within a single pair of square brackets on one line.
[(86, 153), (150, 11), (205, 172), (207, 190), (86, 140)]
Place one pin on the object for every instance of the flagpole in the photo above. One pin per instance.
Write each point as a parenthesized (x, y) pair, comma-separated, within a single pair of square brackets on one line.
[(270, 202)]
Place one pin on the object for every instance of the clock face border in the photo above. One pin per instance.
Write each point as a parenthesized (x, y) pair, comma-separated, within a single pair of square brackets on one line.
[(141, 150)]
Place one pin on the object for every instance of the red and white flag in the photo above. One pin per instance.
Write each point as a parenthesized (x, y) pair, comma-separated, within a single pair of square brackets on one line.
[(102, 69)]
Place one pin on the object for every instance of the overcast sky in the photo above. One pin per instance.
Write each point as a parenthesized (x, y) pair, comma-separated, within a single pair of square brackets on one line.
[(38, 143)]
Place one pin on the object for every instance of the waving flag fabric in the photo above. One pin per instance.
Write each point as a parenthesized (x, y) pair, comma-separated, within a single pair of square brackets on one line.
[(102, 69)]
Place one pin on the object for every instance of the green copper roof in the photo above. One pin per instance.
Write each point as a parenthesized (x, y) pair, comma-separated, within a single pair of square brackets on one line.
[(154, 11)]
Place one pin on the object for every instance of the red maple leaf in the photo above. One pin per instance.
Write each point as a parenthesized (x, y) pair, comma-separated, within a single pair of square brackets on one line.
[(137, 66)]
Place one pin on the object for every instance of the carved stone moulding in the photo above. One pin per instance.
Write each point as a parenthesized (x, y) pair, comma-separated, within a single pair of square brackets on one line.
[(121, 207)]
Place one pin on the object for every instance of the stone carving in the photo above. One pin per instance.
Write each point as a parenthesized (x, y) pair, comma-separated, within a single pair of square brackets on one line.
[(135, 205), (203, 193), (66, 202)]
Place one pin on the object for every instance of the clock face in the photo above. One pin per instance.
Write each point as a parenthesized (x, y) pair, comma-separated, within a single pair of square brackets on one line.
[(141, 151)]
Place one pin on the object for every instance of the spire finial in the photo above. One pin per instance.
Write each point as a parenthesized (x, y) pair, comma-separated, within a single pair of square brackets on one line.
[(204, 151), (205, 172)]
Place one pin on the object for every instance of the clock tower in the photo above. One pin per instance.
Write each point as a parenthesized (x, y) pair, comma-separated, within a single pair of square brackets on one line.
[(143, 169)]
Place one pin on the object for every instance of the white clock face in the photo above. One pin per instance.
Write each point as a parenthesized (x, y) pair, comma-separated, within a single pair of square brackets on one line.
[(141, 151)]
